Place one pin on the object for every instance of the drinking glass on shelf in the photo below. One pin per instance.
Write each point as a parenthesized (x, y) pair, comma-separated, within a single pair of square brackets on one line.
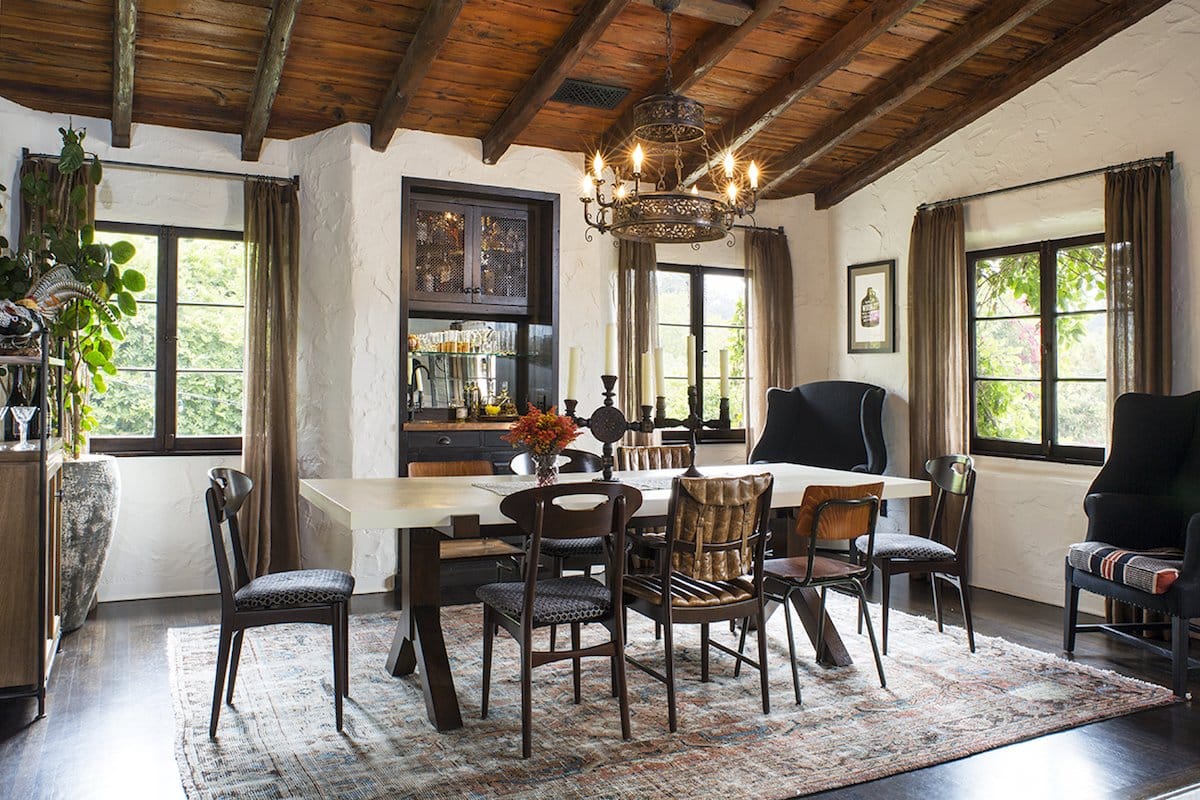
[(22, 415)]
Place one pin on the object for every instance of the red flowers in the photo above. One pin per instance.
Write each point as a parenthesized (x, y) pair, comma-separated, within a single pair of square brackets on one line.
[(542, 432)]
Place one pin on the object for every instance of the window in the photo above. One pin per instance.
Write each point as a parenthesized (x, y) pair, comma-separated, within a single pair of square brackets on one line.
[(709, 303), (178, 387), (1039, 350)]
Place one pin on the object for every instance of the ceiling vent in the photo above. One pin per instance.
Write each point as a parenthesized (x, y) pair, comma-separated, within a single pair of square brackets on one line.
[(592, 95)]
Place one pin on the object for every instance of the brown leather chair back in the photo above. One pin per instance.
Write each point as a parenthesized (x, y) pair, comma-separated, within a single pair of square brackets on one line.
[(652, 457), (717, 525)]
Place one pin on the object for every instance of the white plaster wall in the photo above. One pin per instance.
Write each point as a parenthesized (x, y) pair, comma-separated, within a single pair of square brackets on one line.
[(161, 545), (1133, 96)]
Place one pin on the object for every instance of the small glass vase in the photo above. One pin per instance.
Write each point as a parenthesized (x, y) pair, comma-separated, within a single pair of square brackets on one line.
[(545, 468)]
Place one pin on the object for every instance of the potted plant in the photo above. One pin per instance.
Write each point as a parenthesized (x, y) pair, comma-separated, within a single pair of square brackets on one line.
[(544, 434), (83, 294)]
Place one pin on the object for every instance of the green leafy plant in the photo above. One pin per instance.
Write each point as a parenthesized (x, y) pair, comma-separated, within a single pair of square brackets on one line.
[(90, 335)]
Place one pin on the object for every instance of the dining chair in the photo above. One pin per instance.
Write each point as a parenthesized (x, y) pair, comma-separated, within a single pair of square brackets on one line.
[(590, 551), (668, 456), (826, 514), (506, 556), (900, 553), (711, 570), (571, 511), (569, 460), (320, 596)]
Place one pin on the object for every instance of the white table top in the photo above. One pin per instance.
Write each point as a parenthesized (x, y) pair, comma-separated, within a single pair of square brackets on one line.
[(361, 503)]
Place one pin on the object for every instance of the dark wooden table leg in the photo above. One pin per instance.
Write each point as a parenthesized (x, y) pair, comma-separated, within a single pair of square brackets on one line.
[(807, 603), (418, 644)]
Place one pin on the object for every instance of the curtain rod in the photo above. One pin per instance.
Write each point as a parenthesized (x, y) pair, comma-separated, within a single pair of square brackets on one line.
[(294, 180), (759, 228), (1168, 159)]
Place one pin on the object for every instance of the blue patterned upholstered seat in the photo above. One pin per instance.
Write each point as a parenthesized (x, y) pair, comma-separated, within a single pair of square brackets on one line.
[(556, 600), (303, 587), (905, 545)]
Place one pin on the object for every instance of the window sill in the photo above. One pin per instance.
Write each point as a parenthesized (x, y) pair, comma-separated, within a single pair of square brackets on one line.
[(1028, 465), (680, 436)]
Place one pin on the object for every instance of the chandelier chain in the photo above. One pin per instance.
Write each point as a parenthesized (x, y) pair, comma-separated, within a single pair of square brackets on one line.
[(670, 53)]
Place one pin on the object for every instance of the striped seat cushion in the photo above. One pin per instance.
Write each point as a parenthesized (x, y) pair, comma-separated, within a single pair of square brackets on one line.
[(1150, 571)]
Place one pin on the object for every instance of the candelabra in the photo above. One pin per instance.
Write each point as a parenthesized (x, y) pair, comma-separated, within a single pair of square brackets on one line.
[(609, 424)]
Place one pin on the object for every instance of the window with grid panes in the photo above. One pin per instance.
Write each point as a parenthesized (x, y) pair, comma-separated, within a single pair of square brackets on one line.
[(709, 303), (1039, 350), (179, 382)]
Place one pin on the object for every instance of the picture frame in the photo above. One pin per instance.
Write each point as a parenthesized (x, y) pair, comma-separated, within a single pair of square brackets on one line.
[(871, 307)]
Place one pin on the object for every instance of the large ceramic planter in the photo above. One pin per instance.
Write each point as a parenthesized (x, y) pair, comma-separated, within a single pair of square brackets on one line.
[(91, 497)]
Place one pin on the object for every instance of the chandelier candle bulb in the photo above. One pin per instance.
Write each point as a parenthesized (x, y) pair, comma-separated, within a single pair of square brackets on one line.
[(660, 375), (639, 155), (731, 190), (586, 187), (753, 175), (573, 373), (691, 359), (729, 164), (647, 381), (598, 167), (724, 373), (610, 350)]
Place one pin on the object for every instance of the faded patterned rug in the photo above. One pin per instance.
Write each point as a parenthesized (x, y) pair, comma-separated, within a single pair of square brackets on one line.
[(941, 703)]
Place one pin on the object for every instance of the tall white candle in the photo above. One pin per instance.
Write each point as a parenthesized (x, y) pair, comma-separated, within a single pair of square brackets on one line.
[(724, 373), (691, 359), (610, 350), (573, 373), (647, 381), (660, 375)]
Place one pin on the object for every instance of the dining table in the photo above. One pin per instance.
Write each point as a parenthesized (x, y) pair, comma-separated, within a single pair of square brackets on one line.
[(424, 510)]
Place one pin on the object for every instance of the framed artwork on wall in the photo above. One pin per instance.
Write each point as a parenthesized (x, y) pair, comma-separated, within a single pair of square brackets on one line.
[(871, 307)]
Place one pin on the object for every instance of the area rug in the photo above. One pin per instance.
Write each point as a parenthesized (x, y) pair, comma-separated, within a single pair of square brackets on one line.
[(941, 703)]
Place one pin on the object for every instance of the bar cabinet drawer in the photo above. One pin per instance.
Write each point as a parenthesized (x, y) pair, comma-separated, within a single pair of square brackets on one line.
[(427, 440)]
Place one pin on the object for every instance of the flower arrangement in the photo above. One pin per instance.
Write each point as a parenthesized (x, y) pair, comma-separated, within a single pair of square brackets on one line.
[(542, 433)]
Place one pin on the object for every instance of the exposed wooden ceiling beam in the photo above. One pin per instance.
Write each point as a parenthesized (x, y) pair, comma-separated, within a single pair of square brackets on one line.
[(691, 67), (868, 25), (936, 126), (266, 78), (917, 75), (584, 32), (124, 35), (418, 58), (726, 12)]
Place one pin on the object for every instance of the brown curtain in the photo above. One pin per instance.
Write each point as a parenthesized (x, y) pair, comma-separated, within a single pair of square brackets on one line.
[(937, 368), (270, 526), (772, 338), (1137, 243), (34, 219), (637, 325)]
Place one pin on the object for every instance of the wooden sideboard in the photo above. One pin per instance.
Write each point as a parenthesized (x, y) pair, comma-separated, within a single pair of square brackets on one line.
[(30, 567)]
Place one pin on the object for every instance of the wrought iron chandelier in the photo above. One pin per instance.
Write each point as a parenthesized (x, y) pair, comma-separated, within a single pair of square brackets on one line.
[(666, 128)]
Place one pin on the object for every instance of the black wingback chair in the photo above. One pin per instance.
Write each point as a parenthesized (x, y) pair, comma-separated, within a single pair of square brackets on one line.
[(1143, 539), (834, 424)]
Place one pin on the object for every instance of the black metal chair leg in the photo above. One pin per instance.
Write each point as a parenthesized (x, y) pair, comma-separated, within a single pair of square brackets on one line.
[(575, 677), (704, 652), (1179, 656), (489, 635), (787, 616), (821, 626), (222, 669), (346, 649), (234, 658), (1070, 612), (964, 594), (885, 592), (937, 600), (862, 592), (338, 636)]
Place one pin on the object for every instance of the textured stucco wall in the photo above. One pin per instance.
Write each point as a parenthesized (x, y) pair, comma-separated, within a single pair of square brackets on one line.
[(1133, 96)]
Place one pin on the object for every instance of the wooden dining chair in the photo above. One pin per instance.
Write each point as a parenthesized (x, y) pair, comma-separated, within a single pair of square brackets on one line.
[(711, 571), (588, 552), (571, 511), (826, 514), (569, 460), (320, 596), (506, 556)]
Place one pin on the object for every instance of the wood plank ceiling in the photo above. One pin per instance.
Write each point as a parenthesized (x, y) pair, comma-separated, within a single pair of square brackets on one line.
[(828, 95)]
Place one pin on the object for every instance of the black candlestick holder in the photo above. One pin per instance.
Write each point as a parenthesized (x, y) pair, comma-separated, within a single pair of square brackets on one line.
[(693, 422), (609, 424)]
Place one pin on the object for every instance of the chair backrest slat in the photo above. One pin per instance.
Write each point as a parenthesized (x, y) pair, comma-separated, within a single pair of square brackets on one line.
[(717, 526), (228, 490)]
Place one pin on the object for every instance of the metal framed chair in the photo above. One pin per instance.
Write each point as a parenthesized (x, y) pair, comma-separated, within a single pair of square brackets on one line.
[(571, 511), (827, 513), (711, 571), (320, 596), (900, 553)]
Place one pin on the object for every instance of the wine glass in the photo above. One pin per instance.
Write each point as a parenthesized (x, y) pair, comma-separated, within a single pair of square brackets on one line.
[(22, 415)]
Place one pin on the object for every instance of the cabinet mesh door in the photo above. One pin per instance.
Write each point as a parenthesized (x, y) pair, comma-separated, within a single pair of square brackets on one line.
[(440, 255), (504, 255)]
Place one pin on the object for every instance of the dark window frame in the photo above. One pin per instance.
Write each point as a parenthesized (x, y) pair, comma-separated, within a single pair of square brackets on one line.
[(165, 441), (696, 273), (1048, 449)]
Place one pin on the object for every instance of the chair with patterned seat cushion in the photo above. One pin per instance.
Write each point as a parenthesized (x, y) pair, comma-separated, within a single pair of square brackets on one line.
[(1143, 537), (899, 553), (320, 596), (590, 551), (573, 511), (710, 570)]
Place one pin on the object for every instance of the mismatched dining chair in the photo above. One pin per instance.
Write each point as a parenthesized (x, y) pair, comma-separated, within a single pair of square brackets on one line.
[(899, 553), (826, 514), (569, 460), (591, 551), (711, 570), (506, 556), (320, 596), (571, 511), (668, 456)]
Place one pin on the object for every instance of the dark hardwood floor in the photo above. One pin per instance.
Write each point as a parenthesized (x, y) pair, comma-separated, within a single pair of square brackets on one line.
[(109, 732)]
